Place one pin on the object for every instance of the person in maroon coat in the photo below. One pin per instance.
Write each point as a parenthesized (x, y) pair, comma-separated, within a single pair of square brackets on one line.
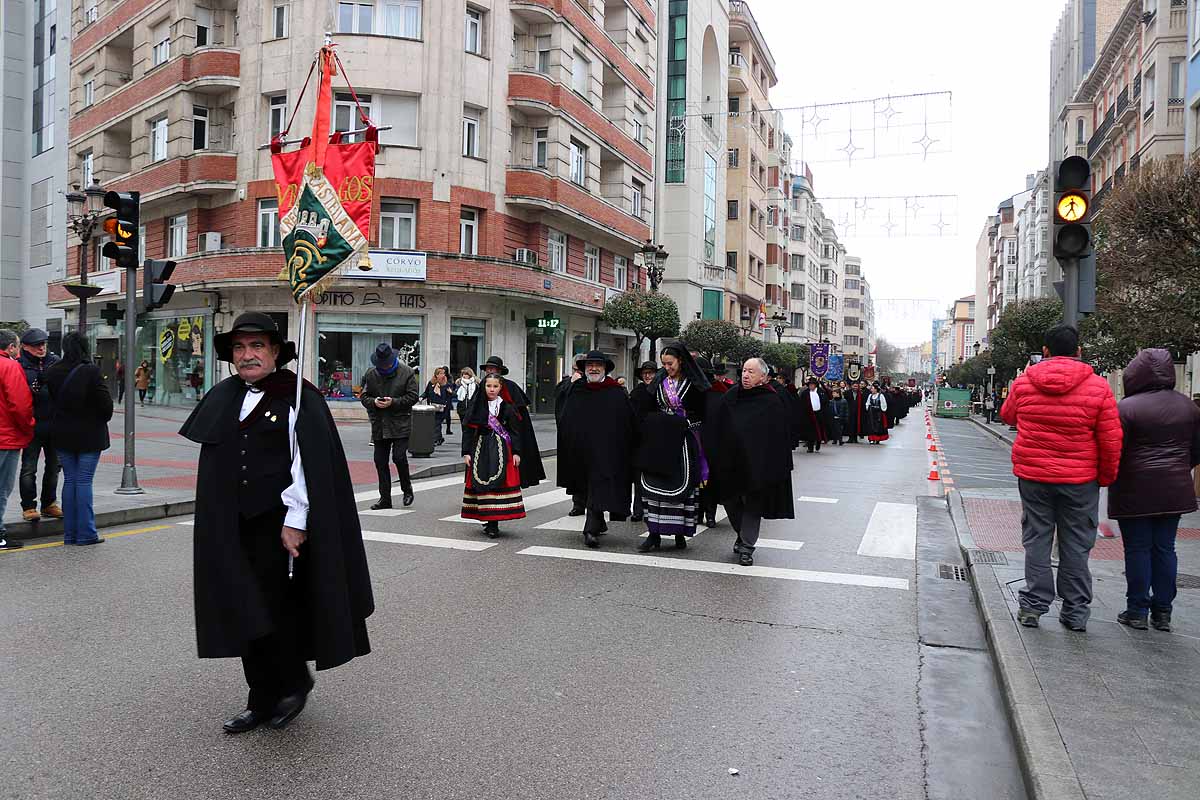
[(1154, 484)]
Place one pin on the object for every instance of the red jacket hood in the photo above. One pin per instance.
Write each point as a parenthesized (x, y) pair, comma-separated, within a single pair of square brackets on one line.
[(1058, 375)]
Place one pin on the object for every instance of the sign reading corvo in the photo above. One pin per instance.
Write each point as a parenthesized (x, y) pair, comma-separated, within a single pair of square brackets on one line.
[(392, 265)]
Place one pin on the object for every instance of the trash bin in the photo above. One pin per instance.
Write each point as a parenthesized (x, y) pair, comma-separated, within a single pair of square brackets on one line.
[(424, 431)]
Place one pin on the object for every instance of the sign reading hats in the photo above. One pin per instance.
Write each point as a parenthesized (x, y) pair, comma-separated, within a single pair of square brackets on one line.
[(595, 357)]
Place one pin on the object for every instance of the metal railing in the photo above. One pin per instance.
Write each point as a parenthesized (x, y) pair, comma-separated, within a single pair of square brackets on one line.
[(1102, 131), (1122, 101), (1137, 86), (1149, 112)]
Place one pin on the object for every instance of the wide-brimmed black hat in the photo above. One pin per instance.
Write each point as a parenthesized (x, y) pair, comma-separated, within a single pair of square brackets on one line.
[(812, 379), (596, 355), (254, 322), (494, 361), (384, 356), (647, 365)]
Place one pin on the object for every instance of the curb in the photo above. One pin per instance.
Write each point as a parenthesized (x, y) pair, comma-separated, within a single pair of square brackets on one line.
[(23, 531), (992, 431), (1045, 763)]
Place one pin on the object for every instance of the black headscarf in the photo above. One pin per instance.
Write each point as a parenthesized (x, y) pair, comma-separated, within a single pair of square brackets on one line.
[(688, 368)]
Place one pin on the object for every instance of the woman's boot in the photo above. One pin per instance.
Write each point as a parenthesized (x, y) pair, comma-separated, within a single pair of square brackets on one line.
[(653, 542)]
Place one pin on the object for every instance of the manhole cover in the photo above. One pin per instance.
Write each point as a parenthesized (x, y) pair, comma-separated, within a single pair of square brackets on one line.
[(952, 572), (1185, 581), (986, 557)]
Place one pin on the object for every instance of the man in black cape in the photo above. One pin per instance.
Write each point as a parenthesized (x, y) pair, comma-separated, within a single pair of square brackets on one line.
[(595, 444), (754, 463), (280, 572), (814, 414), (854, 422), (787, 392), (532, 471), (637, 399)]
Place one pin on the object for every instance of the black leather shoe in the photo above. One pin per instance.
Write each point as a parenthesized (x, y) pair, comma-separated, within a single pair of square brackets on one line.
[(651, 542), (381, 505), (1077, 627), (246, 721), (408, 499), (636, 517), (590, 539), (680, 542), (491, 530), (288, 709), (710, 521), (745, 559), (576, 511), (603, 528)]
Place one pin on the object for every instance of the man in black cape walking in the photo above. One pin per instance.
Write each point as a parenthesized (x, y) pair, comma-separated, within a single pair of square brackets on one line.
[(595, 444), (532, 471), (814, 415), (854, 423), (754, 463), (280, 572)]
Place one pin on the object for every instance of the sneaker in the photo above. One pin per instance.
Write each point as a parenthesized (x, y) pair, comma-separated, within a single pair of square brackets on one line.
[(1161, 620), (1028, 617), (1133, 621), (5, 544), (30, 515), (53, 510), (1078, 627)]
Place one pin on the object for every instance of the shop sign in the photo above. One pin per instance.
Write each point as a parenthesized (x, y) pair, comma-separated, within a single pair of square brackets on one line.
[(544, 323), (166, 344), (386, 299), (110, 281), (392, 265)]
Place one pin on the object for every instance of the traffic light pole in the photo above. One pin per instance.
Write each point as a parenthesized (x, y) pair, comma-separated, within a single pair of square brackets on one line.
[(129, 481), (1070, 267)]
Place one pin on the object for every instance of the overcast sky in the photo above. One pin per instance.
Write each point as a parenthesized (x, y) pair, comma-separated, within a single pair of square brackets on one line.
[(994, 59)]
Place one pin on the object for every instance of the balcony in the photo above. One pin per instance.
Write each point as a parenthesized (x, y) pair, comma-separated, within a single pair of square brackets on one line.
[(1101, 132), (1137, 86), (535, 189), (1122, 103), (739, 74), (1119, 175), (203, 173)]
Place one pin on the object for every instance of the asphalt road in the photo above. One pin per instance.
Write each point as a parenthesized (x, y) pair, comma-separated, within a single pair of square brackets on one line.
[(523, 668)]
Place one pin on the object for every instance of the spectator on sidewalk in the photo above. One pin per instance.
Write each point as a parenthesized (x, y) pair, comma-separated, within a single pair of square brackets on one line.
[(437, 393), (16, 422), (389, 391), (1154, 485), (81, 409), (36, 360), (464, 393), (1068, 446), (141, 380)]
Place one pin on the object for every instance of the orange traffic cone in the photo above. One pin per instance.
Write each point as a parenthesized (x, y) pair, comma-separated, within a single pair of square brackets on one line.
[(932, 447), (933, 472), (928, 435)]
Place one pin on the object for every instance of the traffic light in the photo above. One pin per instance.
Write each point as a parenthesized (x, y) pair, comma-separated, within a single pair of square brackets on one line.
[(156, 292), (1072, 210), (123, 228)]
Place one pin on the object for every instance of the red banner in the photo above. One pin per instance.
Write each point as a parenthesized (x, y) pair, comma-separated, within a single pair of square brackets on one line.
[(349, 167)]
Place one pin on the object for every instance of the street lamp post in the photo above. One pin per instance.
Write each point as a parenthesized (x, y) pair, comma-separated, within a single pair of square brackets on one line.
[(781, 324), (976, 348), (654, 257), (82, 219)]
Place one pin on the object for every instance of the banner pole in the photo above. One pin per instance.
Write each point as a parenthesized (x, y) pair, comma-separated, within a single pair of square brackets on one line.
[(300, 350)]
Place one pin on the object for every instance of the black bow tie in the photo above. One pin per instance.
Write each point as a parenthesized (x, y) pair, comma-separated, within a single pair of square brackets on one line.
[(252, 389)]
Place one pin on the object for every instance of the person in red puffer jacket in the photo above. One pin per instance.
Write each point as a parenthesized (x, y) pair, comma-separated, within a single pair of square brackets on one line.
[(1068, 446), (16, 422)]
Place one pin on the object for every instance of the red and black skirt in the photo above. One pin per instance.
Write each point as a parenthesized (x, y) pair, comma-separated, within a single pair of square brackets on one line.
[(492, 487)]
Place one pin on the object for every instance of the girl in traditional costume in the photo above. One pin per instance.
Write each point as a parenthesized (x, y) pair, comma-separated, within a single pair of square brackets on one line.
[(875, 420), (492, 452)]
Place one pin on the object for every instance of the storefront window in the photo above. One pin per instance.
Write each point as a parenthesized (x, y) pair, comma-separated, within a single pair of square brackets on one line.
[(581, 343), (544, 364), (177, 349), (346, 342), (467, 344)]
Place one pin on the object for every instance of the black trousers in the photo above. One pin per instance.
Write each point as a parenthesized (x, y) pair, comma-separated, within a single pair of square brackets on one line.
[(274, 664), (594, 521), (29, 468), (745, 515), (707, 501), (395, 451)]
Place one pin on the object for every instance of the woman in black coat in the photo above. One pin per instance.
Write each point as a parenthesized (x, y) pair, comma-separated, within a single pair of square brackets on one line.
[(438, 393), (81, 407), (1154, 485)]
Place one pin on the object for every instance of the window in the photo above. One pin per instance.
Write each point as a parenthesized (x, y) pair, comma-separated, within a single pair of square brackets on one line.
[(356, 18), (141, 253), (1175, 79), (620, 272), (639, 190), (468, 232), (346, 341), (398, 224), (91, 13), (731, 260), (345, 114), (732, 210), (639, 127), (177, 236), (1148, 91), (474, 32), (581, 71), (579, 154), (735, 106), (556, 247), (199, 128), (162, 43), (278, 114), (268, 223), (470, 133), (89, 92), (734, 156), (541, 147), (400, 18), (710, 208), (1079, 132), (279, 21), (543, 54), (591, 263), (400, 113), (158, 139), (87, 169), (204, 24), (1010, 251)]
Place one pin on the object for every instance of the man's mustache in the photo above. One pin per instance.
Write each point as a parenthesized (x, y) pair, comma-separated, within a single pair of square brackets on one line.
[(250, 362)]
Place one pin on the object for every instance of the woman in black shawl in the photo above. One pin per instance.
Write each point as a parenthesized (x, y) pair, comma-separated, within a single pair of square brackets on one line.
[(875, 417), (669, 454)]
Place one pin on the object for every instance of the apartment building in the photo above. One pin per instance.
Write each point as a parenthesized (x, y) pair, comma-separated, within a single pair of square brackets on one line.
[(1033, 219), (514, 183), (870, 335), (855, 335), (35, 50), (1192, 124), (753, 134), (959, 331), (997, 265), (691, 172), (1133, 97), (779, 192), (807, 219)]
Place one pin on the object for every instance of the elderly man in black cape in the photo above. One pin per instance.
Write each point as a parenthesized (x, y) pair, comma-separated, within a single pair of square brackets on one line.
[(854, 423), (814, 416), (638, 399), (532, 471), (754, 463), (595, 444), (280, 572)]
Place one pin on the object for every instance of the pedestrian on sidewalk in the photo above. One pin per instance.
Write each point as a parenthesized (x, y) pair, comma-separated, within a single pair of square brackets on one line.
[(267, 590), (81, 407), (753, 463), (437, 393), (1154, 484), (389, 391), (120, 380), (1068, 446), (532, 471), (595, 441), (36, 359), (16, 423), (464, 392), (875, 415), (141, 381), (491, 451)]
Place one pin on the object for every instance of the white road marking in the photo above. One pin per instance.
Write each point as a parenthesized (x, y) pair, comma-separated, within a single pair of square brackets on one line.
[(872, 581), (532, 503), (426, 541), (892, 532), (419, 486), (807, 499), (186, 522), (386, 512)]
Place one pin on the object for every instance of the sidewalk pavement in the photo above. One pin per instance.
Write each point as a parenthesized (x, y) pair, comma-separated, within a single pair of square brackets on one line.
[(1112, 713), (166, 469)]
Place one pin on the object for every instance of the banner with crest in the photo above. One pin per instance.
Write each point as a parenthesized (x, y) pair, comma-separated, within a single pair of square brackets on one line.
[(818, 359)]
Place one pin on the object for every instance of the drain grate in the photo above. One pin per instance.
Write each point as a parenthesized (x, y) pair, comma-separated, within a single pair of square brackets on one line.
[(986, 557), (1185, 581), (951, 572)]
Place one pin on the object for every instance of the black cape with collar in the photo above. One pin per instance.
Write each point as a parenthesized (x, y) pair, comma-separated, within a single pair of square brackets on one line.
[(332, 567), (751, 456), (813, 425), (595, 444), (854, 421), (531, 469)]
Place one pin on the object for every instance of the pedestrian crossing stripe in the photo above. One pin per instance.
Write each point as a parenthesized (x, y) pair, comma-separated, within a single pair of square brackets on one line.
[(427, 541), (385, 512), (532, 503)]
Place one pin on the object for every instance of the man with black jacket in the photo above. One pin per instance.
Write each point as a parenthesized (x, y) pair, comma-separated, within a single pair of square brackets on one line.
[(389, 391), (35, 360)]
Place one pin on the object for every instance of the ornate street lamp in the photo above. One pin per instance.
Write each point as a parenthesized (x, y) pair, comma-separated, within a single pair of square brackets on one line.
[(976, 348), (781, 324), (654, 257), (83, 214)]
